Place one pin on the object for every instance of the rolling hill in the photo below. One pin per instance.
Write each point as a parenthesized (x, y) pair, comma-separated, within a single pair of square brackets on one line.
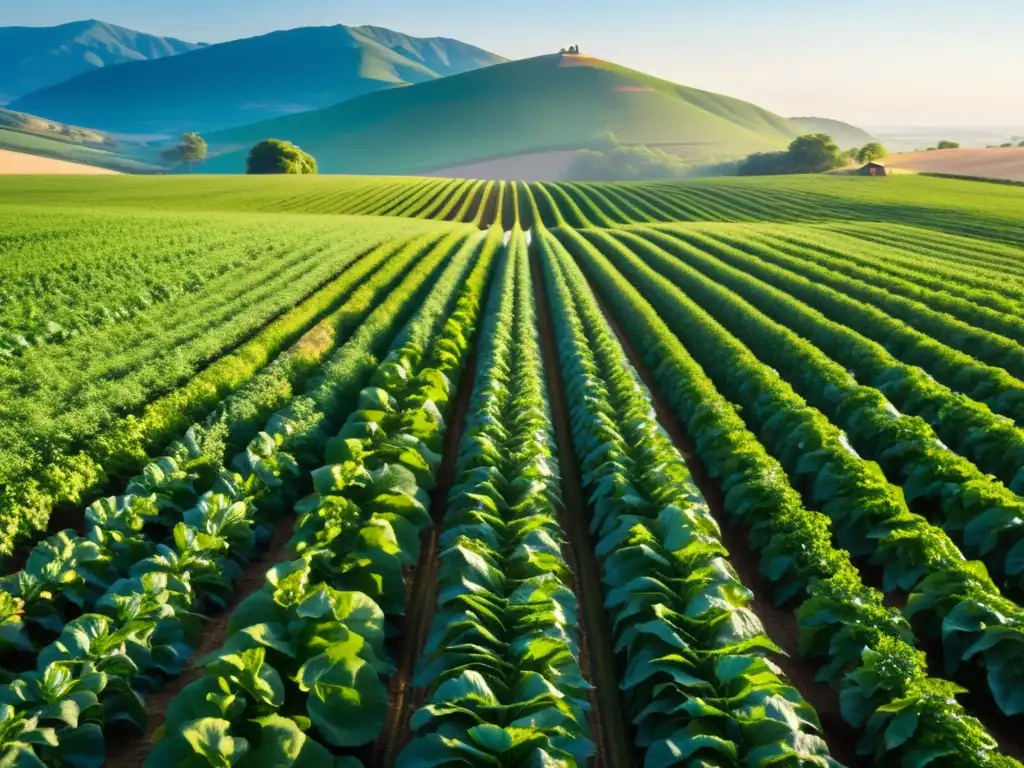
[(243, 81), (44, 138), (547, 103), (846, 135), (38, 57), (22, 164)]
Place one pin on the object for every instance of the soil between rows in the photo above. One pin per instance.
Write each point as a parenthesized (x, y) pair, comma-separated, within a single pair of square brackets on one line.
[(611, 733), (403, 697), (126, 751), (780, 623)]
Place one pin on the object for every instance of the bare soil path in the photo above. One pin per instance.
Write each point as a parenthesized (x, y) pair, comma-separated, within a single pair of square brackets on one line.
[(22, 163)]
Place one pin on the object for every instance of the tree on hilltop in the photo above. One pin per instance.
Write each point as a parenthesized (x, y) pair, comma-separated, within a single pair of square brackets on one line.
[(946, 144), (277, 156)]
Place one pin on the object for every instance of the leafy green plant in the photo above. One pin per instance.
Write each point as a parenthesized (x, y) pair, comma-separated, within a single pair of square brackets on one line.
[(869, 517), (864, 646), (314, 635), (501, 661), (698, 680)]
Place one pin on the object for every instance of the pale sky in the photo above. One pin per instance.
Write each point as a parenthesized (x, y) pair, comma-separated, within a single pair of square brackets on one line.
[(873, 62)]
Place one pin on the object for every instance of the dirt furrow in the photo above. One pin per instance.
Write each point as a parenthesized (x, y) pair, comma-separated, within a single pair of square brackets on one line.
[(126, 751), (414, 628), (612, 734)]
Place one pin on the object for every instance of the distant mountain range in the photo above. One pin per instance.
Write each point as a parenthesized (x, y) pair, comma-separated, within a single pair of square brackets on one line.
[(547, 103), (248, 80), (37, 57), (361, 100)]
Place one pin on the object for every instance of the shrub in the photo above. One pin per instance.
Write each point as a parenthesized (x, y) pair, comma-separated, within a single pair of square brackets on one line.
[(277, 156)]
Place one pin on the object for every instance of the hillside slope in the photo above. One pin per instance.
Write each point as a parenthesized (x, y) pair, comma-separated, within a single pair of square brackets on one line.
[(22, 164), (846, 135), (242, 81), (34, 136), (553, 102), (38, 57)]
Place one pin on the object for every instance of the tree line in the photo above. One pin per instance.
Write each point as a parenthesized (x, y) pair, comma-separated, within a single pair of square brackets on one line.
[(811, 153)]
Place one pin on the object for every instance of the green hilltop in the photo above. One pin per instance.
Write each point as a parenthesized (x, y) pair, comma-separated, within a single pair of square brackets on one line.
[(553, 102), (238, 82)]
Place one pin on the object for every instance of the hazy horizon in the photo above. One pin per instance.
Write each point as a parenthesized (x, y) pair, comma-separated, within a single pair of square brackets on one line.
[(879, 65)]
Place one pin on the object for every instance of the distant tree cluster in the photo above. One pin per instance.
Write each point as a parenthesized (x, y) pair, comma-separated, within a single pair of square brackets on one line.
[(190, 149), (811, 153), (871, 152), (946, 144), (12, 119), (616, 162), (574, 49), (277, 156)]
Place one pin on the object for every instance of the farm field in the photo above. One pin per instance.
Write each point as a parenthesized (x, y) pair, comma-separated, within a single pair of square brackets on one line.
[(995, 163), (384, 471)]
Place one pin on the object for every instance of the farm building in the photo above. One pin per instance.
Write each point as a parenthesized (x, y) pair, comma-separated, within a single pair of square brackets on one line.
[(873, 169)]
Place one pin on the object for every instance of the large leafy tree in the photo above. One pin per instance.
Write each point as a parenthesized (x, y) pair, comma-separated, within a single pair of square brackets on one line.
[(190, 149), (814, 153), (276, 156), (871, 151), (811, 153)]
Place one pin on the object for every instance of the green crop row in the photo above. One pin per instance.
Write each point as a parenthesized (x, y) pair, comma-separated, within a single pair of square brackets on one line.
[(501, 664), (992, 442), (123, 447), (316, 630), (877, 263), (866, 649), (979, 512), (141, 627), (61, 445), (983, 345), (869, 516), (989, 335), (961, 372), (698, 680), (922, 245)]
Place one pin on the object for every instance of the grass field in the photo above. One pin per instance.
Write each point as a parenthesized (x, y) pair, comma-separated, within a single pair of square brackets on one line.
[(417, 471)]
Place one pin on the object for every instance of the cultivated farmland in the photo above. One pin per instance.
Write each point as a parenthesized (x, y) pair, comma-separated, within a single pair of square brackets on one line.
[(439, 472)]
